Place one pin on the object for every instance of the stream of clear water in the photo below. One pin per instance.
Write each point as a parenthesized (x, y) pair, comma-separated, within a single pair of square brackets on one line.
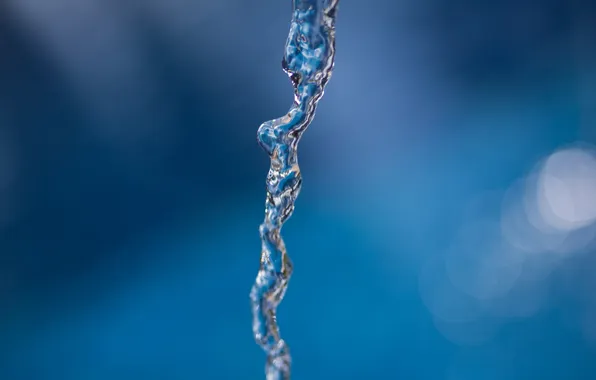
[(308, 60)]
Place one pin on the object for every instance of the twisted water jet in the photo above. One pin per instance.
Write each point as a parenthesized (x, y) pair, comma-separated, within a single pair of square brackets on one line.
[(308, 61)]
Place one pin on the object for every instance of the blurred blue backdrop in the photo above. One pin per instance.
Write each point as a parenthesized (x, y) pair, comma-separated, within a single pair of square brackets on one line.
[(445, 229)]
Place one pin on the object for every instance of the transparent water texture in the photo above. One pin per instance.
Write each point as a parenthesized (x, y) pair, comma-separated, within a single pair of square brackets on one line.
[(308, 60)]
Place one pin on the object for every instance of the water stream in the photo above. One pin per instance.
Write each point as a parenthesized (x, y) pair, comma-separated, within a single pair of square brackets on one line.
[(308, 60)]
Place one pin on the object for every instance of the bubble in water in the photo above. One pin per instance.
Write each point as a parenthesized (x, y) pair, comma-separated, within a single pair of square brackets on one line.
[(566, 189), (481, 264), (442, 298), (526, 299), (516, 227), (522, 224)]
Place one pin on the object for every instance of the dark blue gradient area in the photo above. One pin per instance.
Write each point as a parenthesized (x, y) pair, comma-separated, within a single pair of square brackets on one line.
[(445, 226)]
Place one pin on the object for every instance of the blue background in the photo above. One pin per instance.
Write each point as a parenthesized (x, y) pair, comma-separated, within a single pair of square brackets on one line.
[(132, 187)]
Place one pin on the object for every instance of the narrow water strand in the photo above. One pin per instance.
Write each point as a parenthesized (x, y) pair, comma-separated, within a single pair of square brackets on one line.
[(308, 60)]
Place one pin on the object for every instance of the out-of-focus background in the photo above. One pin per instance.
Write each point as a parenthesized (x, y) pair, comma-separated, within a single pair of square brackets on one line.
[(445, 229)]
